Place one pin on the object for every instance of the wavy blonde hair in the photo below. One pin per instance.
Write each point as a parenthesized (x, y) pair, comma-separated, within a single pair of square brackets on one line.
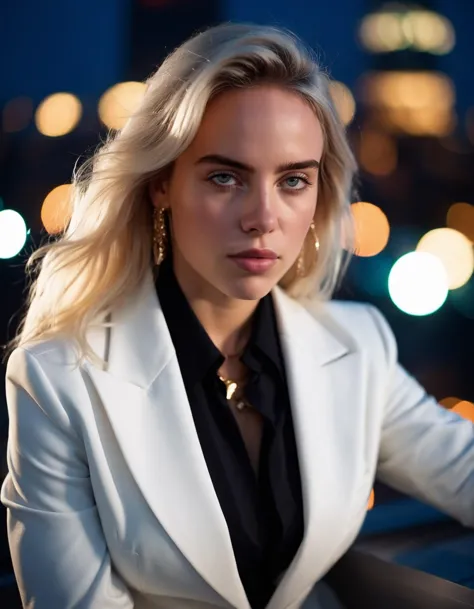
[(105, 252)]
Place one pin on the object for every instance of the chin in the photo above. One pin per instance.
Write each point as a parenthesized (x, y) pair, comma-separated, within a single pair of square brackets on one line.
[(250, 288)]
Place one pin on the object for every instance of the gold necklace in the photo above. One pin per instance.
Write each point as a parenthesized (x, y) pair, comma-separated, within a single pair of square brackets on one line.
[(234, 394)]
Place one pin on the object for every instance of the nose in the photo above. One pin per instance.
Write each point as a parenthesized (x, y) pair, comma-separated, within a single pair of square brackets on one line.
[(259, 211)]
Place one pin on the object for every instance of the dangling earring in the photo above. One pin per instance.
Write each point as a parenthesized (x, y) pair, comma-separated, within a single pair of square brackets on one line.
[(160, 238), (300, 265), (315, 237)]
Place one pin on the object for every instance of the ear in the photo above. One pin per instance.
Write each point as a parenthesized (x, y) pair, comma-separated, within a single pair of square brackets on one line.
[(158, 189)]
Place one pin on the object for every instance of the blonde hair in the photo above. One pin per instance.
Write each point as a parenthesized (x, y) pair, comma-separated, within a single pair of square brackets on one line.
[(105, 252)]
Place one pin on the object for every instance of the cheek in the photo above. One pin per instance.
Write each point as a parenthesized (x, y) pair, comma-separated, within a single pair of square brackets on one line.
[(297, 222), (195, 218), (296, 238)]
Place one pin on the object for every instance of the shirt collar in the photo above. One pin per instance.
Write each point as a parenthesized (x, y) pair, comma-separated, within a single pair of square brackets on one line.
[(264, 338)]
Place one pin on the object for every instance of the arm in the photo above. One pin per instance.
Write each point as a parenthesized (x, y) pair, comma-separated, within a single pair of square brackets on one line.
[(58, 550), (426, 451)]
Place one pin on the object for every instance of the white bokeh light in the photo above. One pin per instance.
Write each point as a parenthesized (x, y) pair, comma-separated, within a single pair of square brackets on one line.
[(418, 283), (12, 233), (455, 252)]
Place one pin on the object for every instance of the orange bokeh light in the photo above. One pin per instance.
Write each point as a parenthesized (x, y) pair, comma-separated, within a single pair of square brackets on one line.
[(56, 209), (58, 114), (450, 402), (371, 502), (372, 229), (120, 102), (343, 101), (465, 409)]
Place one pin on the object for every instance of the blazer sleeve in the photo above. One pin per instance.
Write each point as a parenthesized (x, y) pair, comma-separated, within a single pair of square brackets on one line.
[(58, 549), (426, 451)]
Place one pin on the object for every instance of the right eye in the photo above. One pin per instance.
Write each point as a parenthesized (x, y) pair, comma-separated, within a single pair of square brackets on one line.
[(223, 179)]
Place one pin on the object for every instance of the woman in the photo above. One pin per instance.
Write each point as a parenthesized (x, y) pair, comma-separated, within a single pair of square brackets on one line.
[(207, 435)]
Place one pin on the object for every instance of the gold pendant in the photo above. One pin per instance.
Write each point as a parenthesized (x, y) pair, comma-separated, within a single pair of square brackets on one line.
[(231, 387), (231, 393)]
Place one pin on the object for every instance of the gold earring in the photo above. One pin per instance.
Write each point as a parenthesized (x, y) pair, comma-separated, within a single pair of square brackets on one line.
[(160, 238), (315, 237), (300, 265)]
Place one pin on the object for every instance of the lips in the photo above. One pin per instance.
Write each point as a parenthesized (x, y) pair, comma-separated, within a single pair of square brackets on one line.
[(255, 261), (256, 254)]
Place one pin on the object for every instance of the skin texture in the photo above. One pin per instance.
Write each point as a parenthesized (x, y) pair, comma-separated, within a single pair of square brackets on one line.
[(218, 209)]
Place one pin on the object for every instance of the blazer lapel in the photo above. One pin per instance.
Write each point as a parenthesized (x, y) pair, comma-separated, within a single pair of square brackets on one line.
[(312, 355), (143, 394)]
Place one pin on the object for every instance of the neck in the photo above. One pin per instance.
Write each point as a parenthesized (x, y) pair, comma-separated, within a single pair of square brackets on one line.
[(226, 320), (227, 324)]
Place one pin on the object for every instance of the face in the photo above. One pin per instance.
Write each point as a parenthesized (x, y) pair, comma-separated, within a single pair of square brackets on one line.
[(243, 195)]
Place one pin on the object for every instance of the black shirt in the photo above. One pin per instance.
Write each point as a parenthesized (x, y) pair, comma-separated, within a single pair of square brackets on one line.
[(264, 514)]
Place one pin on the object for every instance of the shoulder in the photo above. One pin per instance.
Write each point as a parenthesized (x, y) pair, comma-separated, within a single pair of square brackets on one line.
[(48, 374), (60, 355), (43, 356)]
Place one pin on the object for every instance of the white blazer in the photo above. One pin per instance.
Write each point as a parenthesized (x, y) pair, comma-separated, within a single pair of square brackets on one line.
[(110, 503)]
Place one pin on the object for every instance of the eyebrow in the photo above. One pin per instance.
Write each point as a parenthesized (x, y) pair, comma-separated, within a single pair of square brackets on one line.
[(228, 162)]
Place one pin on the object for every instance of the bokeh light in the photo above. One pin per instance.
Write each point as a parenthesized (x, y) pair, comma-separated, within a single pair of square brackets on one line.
[(454, 250), (371, 502), (56, 209), (389, 30), (343, 101), (460, 216), (413, 89), (12, 233), (119, 102), (58, 114), (429, 31), (413, 102), (382, 33), (464, 409), (418, 283), (372, 229), (449, 402)]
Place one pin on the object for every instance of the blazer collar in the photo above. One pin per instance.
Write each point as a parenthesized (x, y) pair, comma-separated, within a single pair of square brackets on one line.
[(137, 345), (309, 322)]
